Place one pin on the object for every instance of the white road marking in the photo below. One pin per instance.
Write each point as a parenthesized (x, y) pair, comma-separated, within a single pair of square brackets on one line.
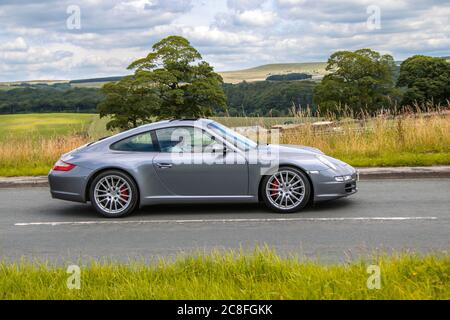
[(93, 222)]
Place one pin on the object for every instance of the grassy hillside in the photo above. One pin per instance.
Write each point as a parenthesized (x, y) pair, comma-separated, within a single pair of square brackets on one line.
[(19, 84), (93, 82), (96, 84), (262, 72), (317, 69)]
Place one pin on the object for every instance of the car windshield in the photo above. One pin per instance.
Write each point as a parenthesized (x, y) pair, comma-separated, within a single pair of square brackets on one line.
[(232, 136)]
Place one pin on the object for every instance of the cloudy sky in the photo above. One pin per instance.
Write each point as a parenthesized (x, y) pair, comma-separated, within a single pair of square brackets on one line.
[(43, 39)]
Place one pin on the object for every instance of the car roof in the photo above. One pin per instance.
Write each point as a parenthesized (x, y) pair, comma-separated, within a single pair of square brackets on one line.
[(201, 122), (175, 122)]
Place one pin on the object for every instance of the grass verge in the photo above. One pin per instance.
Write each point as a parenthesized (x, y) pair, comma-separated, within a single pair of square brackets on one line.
[(234, 275)]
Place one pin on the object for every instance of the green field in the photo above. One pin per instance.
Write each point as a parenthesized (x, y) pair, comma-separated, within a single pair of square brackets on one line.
[(235, 275), (44, 125)]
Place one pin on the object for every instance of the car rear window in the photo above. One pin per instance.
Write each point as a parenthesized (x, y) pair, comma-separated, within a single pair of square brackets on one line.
[(138, 143)]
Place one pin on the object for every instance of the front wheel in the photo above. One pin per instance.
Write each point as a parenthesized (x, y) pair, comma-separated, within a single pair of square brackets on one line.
[(114, 194), (285, 191)]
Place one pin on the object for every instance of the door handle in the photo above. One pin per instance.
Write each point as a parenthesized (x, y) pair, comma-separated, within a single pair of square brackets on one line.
[(164, 165)]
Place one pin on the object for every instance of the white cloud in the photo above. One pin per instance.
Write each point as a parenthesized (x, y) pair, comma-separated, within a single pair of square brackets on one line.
[(230, 34), (257, 18), (206, 36), (18, 44), (243, 5)]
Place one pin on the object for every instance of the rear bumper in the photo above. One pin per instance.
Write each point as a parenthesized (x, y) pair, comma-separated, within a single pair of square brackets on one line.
[(69, 196), (70, 186)]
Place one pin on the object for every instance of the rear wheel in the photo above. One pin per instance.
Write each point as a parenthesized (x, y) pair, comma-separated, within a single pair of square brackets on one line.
[(287, 190), (114, 194)]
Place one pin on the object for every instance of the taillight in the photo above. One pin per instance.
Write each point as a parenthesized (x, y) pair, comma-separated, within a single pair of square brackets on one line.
[(63, 166)]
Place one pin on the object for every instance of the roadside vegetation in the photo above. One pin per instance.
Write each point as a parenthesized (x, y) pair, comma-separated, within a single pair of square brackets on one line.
[(235, 275), (30, 144), (408, 139)]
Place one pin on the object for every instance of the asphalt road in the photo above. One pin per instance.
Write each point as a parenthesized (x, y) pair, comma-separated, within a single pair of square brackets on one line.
[(385, 215)]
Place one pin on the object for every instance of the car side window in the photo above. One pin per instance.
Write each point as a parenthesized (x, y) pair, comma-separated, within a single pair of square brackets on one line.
[(138, 143), (183, 139)]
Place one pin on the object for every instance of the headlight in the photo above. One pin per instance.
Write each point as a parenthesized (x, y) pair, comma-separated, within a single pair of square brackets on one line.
[(343, 178), (326, 162)]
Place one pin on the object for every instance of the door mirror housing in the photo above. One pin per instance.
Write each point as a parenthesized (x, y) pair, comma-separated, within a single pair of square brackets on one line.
[(219, 149)]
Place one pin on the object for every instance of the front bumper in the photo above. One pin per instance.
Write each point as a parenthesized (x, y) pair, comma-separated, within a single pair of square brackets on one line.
[(327, 188)]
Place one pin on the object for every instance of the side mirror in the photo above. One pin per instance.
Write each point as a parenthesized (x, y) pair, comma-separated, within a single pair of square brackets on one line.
[(219, 149)]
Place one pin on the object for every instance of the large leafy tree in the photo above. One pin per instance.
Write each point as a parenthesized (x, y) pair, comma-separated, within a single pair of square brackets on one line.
[(172, 81), (129, 102), (359, 80), (426, 79)]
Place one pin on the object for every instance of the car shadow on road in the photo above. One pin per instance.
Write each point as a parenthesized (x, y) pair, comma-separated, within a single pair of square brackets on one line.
[(231, 210)]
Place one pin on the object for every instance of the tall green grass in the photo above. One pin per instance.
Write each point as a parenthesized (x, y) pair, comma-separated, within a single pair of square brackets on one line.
[(234, 275)]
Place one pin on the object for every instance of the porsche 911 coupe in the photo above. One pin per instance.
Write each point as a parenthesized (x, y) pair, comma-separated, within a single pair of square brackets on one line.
[(196, 161)]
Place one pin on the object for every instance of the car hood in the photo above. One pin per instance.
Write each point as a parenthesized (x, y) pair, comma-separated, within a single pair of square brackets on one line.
[(290, 148), (306, 153)]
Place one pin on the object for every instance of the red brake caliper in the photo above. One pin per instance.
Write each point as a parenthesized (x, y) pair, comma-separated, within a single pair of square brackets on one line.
[(275, 186), (124, 193)]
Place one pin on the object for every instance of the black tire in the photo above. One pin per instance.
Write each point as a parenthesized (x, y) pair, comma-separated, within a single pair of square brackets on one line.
[(134, 196), (304, 201)]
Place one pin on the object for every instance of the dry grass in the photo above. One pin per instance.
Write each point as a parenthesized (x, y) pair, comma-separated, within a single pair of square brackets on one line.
[(21, 156), (409, 139), (30, 144)]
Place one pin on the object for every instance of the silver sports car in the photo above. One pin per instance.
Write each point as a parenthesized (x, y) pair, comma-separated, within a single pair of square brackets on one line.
[(196, 160)]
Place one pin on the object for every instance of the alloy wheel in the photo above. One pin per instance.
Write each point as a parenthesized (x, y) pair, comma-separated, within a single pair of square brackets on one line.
[(285, 189), (113, 194)]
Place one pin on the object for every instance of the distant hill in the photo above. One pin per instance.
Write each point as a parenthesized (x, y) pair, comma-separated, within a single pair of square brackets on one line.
[(316, 69), (105, 79), (260, 73), (32, 83)]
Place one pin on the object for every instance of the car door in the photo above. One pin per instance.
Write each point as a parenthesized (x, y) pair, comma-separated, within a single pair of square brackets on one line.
[(191, 162)]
